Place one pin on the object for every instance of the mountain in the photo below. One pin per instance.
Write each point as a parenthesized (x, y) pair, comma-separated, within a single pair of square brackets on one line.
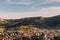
[(40, 22), (3, 22), (24, 21)]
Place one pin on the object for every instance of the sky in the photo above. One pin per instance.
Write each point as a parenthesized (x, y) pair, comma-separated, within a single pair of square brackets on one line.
[(15, 9)]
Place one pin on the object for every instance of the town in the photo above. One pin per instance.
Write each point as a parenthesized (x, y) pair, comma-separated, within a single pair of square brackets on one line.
[(29, 33)]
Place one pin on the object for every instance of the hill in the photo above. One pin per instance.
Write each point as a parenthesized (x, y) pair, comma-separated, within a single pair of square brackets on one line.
[(3, 22), (40, 22)]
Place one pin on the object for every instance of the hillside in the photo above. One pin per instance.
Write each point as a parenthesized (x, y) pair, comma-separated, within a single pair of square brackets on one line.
[(40, 22), (3, 22)]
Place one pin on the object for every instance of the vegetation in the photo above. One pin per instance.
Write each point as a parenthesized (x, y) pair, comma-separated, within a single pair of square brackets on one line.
[(39, 22)]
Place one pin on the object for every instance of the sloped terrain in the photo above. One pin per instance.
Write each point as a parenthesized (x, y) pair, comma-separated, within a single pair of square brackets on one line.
[(40, 22)]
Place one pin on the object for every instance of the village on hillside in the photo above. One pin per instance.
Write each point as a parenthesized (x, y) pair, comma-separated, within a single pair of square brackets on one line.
[(29, 33)]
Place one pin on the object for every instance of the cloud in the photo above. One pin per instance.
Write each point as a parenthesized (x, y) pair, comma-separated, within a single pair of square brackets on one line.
[(46, 1), (25, 2), (20, 0), (50, 11), (37, 8), (50, 1), (31, 1), (44, 12)]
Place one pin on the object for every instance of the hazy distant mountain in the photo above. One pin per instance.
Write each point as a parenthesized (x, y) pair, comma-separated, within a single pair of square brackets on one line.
[(40, 22)]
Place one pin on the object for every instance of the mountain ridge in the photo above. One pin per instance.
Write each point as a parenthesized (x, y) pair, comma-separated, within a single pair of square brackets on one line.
[(40, 22)]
